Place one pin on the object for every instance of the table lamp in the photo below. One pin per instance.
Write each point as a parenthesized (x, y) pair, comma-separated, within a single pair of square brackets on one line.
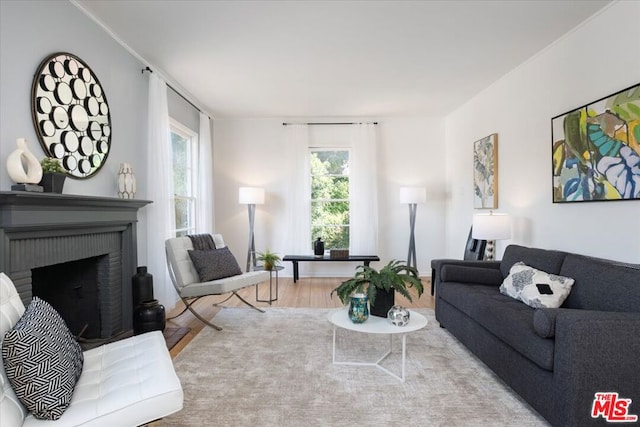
[(412, 196), (491, 227), (251, 196)]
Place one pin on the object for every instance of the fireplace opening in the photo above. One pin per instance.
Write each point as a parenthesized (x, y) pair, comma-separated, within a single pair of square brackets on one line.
[(72, 289), (87, 293)]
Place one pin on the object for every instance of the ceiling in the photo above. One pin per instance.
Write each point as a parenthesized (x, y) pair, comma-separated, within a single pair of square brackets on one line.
[(335, 58)]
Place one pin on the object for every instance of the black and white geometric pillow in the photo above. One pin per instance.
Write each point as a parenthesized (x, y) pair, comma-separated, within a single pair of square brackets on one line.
[(43, 360), (536, 288)]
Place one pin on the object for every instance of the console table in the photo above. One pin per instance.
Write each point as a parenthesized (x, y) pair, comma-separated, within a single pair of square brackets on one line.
[(295, 259)]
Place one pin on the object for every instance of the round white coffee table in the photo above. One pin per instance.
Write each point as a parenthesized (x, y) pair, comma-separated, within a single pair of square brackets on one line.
[(376, 325)]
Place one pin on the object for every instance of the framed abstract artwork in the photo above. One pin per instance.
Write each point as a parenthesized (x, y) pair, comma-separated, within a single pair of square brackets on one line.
[(596, 150), (485, 172)]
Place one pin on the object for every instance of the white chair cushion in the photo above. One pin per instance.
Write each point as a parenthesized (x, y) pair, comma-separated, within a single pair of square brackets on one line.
[(126, 383), (187, 276), (12, 412)]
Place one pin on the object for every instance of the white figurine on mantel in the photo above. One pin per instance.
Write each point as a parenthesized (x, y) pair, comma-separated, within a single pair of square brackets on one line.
[(23, 168), (126, 182)]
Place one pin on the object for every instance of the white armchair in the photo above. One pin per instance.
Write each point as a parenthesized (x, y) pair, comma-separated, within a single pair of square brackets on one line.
[(187, 282), (125, 383)]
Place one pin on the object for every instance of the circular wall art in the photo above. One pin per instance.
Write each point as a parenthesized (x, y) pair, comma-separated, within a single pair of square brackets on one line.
[(71, 114)]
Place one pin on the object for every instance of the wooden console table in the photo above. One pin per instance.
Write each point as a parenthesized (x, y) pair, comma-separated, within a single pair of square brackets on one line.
[(295, 259)]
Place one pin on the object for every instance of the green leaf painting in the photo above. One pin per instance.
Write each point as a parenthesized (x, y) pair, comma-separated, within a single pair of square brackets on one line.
[(485, 172), (596, 150)]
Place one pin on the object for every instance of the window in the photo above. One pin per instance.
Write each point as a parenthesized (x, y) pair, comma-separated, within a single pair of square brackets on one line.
[(184, 151), (330, 196)]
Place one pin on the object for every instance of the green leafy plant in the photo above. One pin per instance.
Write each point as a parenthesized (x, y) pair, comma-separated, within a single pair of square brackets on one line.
[(269, 259), (50, 165), (395, 275)]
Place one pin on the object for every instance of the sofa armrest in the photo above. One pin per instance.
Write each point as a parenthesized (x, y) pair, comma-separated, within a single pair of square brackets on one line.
[(595, 351), (469, 274)]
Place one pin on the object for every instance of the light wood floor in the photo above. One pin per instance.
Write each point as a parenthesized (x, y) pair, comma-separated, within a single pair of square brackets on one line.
[(307, 293)]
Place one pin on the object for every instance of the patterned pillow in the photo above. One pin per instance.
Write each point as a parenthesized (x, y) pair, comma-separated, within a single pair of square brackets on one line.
[(42, 360), (214, 264), (535, 287)]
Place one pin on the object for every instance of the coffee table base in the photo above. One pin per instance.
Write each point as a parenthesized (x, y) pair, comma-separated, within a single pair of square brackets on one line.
[(377, 362)]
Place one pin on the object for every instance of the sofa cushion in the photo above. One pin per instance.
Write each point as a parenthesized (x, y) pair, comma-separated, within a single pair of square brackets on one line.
[(463, 274), (43, 361), (542, 259), (508, 319), (536, 288), (602, 285), (214, 264)]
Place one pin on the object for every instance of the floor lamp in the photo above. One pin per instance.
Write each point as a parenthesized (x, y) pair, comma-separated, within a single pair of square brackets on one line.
[(251, 196), (491, 227), (412, 196)]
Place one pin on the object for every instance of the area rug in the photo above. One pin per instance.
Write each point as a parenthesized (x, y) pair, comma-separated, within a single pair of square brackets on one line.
[(275, 369)]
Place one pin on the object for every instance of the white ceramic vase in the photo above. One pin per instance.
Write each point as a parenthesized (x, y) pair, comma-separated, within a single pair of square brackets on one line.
[(22, 166), (126, 182)]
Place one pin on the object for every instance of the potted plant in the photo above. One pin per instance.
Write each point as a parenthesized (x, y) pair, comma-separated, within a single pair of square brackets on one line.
[(269, 259), (379, 286), (53, 175)]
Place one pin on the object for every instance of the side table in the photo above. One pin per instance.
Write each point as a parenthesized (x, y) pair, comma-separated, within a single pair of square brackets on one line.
[(274, 269)]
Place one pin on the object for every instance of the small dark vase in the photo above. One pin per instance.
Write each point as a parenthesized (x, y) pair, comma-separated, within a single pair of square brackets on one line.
[(318, 247), (52, 182), (141, 286), (148, 316), (384, 301)]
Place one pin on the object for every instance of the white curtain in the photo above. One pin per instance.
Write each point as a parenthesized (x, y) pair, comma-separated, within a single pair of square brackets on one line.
[(298, 240), (160, 213), (363, 190), (205, 213)]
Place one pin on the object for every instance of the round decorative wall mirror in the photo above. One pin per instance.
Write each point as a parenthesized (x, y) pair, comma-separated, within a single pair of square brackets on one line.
[(71, 114)]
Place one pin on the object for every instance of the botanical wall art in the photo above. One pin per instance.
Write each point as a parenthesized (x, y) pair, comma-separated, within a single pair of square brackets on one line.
[(485, 172), (596, 150)]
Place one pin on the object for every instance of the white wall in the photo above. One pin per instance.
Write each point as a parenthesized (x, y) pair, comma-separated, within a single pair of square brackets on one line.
[(248, 152), (599, 58)]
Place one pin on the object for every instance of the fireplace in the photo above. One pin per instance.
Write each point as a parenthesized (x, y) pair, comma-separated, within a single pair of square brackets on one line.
[(76, 252)]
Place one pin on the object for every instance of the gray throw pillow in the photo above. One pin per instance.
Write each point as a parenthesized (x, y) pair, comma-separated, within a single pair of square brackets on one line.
[(43, 360), (214, 264)]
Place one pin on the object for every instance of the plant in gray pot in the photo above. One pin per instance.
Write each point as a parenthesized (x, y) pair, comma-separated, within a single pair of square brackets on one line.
[(53, 175), (380, 286)]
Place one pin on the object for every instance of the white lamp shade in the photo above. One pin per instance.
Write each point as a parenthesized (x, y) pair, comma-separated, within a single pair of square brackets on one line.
[(413, 195), (491, 226), (251, 196)]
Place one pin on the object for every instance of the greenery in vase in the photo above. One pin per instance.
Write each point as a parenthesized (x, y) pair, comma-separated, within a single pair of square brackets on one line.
[(50, 165), (395, 275), (269, 259)]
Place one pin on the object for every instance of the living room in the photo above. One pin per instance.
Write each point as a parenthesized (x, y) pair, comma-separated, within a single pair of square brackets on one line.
[(433, 149)]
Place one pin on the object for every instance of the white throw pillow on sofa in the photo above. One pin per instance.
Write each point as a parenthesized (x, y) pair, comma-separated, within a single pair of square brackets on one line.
[(536, 288)]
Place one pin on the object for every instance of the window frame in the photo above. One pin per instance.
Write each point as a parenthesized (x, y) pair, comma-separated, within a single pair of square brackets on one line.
[(176, 127), (346, 225)]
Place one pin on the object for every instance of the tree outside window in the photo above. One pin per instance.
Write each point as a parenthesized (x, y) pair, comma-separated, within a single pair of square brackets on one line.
[(330, 197)]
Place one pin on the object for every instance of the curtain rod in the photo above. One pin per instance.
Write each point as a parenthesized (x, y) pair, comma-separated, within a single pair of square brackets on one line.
[(175, 90), (334, 123)]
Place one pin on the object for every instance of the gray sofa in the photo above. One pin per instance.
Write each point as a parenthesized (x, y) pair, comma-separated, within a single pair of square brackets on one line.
[(556, 359)]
